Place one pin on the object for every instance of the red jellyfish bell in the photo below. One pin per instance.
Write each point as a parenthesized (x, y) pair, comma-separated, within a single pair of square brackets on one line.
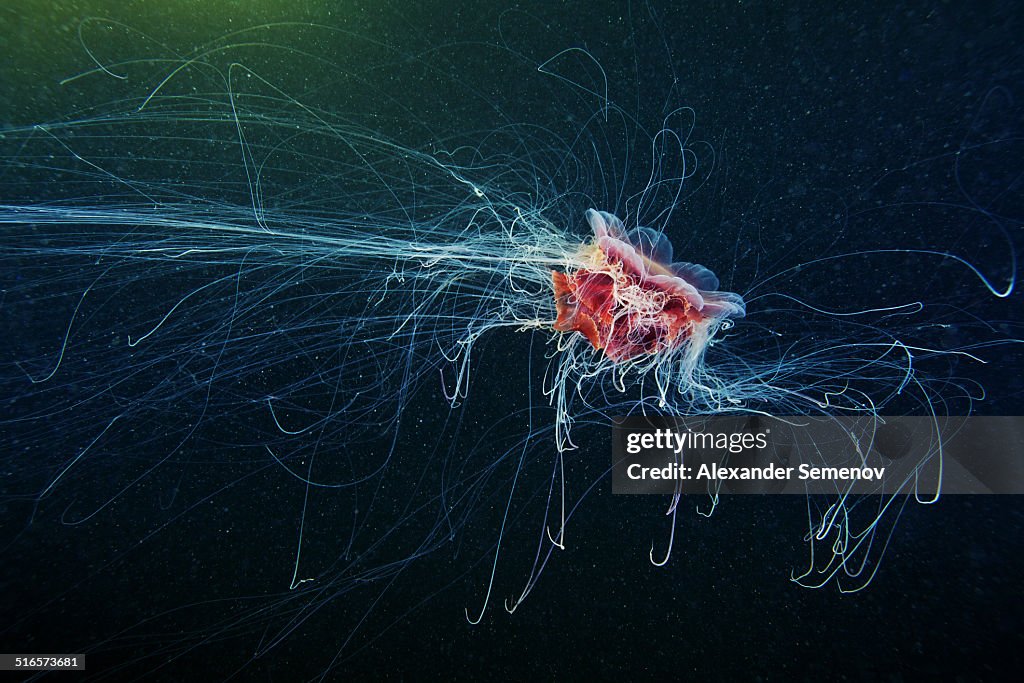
[(629, 299)]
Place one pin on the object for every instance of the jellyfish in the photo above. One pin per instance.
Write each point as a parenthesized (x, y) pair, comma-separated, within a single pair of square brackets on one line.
[(334, 346), (631, 299)]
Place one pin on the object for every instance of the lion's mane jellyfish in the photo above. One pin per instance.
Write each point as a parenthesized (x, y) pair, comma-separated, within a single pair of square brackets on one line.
[(629, 299)]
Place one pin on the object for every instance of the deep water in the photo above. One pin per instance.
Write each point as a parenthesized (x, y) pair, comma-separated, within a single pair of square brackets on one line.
[(824, 122)]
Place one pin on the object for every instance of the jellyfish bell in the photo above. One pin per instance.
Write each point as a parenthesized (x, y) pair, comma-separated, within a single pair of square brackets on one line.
[(629, 299)]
